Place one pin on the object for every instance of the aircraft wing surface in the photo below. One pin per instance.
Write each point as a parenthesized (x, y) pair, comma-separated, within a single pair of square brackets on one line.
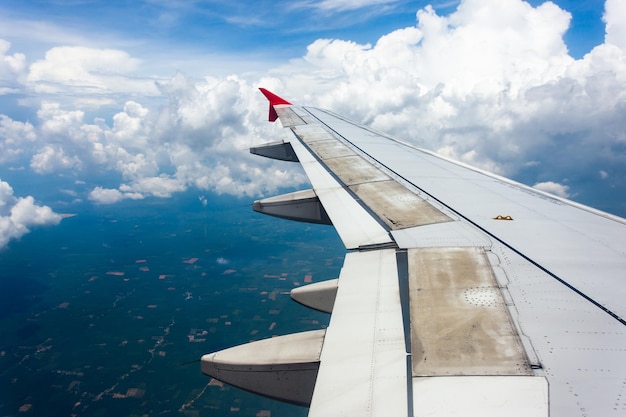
[(462, 293)]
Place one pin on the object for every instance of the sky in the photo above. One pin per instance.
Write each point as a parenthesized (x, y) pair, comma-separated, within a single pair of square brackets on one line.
[(105, 101)]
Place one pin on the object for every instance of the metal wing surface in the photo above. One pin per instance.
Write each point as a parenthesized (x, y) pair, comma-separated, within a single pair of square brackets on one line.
[(462, 293)]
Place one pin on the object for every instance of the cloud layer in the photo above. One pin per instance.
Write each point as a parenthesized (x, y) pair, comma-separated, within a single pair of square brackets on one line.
[(491, 84)]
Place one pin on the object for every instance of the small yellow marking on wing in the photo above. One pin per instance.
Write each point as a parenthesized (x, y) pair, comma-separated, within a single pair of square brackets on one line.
[(501, 217)]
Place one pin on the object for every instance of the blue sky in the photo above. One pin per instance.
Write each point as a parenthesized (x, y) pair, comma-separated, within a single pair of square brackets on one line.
[(104, 101), (278, 29)]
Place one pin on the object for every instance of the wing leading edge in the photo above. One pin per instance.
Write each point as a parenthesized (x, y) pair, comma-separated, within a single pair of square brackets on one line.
[(464, 293)]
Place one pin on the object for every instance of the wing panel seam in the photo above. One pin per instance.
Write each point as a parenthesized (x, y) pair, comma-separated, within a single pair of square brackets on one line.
[(343, 185)]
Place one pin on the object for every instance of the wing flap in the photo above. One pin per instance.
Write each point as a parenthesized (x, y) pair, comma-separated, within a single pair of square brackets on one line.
[(363, 368), (459, 321)]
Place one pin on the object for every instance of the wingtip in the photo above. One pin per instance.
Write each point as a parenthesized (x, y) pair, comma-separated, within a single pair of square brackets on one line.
[(274, 100)]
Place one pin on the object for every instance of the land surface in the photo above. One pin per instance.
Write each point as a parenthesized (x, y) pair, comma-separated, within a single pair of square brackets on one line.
[(102, 314)]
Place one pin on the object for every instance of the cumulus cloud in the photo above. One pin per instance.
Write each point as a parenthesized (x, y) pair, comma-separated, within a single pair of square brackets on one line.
[(50, 159), (101, 195), (18, 214), (200, 140), (551, 187), (15, 138), (614, 17), (12, 68), (491, 84), (105, 195), (161, 186)]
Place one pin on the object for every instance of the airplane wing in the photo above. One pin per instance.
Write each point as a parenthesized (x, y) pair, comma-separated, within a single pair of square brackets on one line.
[(463, 293)]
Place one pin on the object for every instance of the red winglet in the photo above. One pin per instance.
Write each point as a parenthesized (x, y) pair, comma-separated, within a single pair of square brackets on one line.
[(274, 100)]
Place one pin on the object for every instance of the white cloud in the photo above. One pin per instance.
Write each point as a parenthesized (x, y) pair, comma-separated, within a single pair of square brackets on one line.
[(49, 159), (135, 166), (101, 195), (485, 47), (12, 69), (200, 140), (557, 189), (105, 195), (88, 71), (161, 186), (15, 138), (130, 126), (56, 121), (18, 214), (491, 84), (614, 17)]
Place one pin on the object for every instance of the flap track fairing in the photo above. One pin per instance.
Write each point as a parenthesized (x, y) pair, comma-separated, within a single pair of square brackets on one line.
[(303, 206), (282, 151), (283, 368), (319, 296)]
